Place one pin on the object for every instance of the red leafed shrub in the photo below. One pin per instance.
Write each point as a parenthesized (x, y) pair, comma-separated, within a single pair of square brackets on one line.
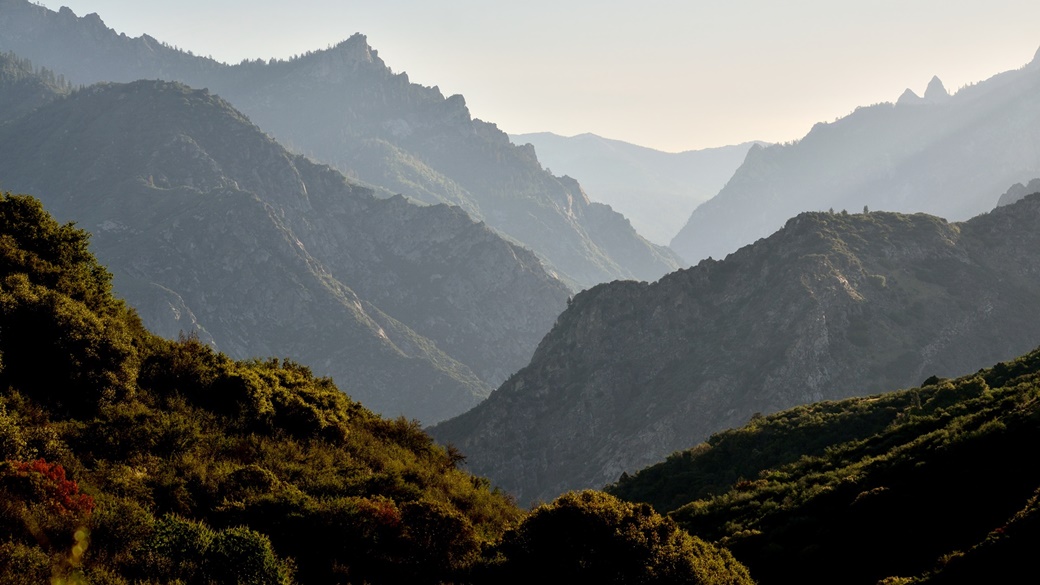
[(48, 481)]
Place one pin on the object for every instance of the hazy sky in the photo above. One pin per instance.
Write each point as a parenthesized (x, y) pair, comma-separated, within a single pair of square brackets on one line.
[(669, 74)]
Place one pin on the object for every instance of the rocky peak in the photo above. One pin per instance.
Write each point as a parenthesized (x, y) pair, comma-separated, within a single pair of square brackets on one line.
[(909, 97), (936, 91), (1018, 191)]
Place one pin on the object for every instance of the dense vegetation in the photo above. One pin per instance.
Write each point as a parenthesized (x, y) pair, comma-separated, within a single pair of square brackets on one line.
[(125, 458), (933, 481)]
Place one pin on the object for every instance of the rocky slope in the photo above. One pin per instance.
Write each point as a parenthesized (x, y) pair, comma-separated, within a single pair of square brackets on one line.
[(941, 154), (211, 226), (345, 107), (656, 190), (832, 305)]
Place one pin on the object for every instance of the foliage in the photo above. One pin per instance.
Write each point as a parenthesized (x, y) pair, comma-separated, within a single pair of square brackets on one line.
[(135, 459), (592, 537), (873, 487)]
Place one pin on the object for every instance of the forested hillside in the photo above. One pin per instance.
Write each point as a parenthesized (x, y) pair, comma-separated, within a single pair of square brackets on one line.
[(932, 484), (128, 458)]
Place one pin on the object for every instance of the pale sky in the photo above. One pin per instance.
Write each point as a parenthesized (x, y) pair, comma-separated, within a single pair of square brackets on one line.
[(669, 74)]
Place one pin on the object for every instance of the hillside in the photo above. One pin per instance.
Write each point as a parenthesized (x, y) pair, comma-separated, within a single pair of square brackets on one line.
[(947, 155), (211, 226), (127, 458), (927, 484), (833, 305), (657, 191), (344, 106), (23, 87)]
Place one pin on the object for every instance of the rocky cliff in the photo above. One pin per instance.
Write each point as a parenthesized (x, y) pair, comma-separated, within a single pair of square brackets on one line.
[(345, 107), (211, 226), (832, 305)]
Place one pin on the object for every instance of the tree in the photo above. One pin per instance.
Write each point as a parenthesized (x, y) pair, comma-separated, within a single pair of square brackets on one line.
[(593, 537)]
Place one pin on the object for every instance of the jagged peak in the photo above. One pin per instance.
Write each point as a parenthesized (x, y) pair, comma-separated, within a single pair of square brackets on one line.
[(909, 97), (936, 91), (357, 49)]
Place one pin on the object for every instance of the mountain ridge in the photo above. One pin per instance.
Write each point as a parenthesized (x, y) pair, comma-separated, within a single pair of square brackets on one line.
[(632, 372), (948, 156), (178, 187), (334, 104)]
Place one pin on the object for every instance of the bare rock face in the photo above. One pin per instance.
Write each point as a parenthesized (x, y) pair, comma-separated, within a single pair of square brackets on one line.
[(832, 305), (211, 227), (345, 107)]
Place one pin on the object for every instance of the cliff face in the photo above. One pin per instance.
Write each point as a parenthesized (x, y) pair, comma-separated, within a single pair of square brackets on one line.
[(832, 305), (345, 107), (211, 226), (944, 155)]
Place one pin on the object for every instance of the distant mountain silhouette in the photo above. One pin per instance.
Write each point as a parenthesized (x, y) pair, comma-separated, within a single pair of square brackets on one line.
[(940, 154), (656, 190), (345, 107)]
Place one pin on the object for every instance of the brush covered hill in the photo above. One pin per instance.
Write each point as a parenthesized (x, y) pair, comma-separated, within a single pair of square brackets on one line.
[(211, 226), (831, 306), (947, 155), (934, 484), (129, 458), (345, 107)]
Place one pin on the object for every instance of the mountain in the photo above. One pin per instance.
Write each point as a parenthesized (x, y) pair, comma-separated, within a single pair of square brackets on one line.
[(832, 305), (1018, 191), (655, 190), (210, 226), (941, 154), (345, 107), (930, 484), (128, 458)]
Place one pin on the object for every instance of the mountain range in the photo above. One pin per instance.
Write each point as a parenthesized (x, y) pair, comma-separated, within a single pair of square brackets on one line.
[(947, 155), (657, 191), (344, 106), (211, 227), (833, 305)]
